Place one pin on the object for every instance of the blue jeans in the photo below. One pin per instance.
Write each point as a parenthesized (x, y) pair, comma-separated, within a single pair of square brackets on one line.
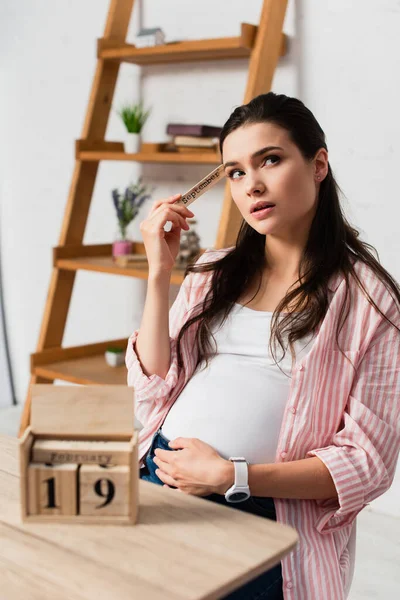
[(268, 585)]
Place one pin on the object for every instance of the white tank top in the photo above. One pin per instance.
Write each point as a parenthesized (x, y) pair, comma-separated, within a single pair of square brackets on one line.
[(236, 405)]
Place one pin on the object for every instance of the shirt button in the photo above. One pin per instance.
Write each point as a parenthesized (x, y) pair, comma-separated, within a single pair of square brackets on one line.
[(289, 585), (293, 410), (300, 368), (283, 454)]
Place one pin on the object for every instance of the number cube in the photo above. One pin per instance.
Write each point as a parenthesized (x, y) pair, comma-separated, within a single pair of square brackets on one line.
[(104, 490), (52, 489)]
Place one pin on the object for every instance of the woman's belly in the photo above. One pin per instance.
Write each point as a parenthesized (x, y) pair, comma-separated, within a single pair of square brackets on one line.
[(236, 406)]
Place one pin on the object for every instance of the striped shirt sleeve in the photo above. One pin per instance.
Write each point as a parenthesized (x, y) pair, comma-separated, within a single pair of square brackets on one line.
[(362, 458)]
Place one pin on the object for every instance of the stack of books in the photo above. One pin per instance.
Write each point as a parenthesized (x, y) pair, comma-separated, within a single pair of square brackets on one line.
[(192, 138)]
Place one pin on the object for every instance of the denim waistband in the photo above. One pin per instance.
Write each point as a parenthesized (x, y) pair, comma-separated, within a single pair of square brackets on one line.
[(159, 440), (162, 436)]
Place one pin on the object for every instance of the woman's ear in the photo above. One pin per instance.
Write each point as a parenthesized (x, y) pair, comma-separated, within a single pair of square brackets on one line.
[(321, 164)]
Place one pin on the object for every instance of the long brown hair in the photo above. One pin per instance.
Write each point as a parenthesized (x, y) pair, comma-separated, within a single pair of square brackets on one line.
[(332, 246)]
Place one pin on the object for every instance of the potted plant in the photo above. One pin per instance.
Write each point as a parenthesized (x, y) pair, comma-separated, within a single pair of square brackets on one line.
[(114, 356), (127, 206), (134, 117)]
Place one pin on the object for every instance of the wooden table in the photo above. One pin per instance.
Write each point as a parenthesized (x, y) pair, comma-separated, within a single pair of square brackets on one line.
[(183, 547)]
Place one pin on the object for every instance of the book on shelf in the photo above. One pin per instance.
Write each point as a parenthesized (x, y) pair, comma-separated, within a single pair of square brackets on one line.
[(193, 129), (171, 147), (198, 142)]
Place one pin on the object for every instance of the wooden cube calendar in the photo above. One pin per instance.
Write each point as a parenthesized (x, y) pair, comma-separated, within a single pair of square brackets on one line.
[(79, 456)]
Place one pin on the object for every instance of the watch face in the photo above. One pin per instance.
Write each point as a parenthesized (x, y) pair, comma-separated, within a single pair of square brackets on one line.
[(238, 497)]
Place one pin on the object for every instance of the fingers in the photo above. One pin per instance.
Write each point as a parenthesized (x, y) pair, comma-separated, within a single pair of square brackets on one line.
[(157, 221), (169, 200), (166, 210), (166, 478), (161, 245), (170, 203), (161, 464), (172, 488), (166, 215)]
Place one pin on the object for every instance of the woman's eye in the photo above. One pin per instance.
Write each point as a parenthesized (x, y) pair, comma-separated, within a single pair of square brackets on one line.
[(235, 173), (231, 174), (273, 156)]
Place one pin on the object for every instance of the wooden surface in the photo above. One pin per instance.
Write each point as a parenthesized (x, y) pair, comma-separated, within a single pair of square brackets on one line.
[(87, 370), (182, 547), (98, 250), (105, 264), (85, 365), (98, 257), (95, 412), (186, 51), (205, 158), (96, 150)]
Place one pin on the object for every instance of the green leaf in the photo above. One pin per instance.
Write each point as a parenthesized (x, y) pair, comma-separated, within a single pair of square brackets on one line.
[(133, 117)]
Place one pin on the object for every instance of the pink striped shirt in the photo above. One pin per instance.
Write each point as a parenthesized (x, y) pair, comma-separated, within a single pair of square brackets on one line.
[(348, 420)]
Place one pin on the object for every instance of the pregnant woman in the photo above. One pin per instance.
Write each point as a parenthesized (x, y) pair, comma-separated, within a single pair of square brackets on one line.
[(272, 385)]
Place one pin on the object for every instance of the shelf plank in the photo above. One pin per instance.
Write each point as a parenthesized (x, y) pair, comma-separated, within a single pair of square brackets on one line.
[(185, 51), (87, 370), (205, 158), (105, 264), (191, 51), (84, 365), (98, 257)]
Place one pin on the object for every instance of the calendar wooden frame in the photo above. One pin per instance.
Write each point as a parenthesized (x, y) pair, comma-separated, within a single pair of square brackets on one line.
[(87, 413)]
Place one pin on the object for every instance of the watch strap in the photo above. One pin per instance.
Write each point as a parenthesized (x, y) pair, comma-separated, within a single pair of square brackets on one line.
[(241, 471)]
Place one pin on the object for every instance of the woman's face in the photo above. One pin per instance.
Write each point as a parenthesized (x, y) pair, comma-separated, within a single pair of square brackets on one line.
[(278, 175)]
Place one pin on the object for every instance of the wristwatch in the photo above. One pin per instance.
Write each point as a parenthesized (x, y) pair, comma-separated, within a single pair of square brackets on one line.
[(240, 490)]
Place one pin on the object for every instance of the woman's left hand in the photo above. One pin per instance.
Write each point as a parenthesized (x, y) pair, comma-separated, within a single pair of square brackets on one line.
[(196, 469)]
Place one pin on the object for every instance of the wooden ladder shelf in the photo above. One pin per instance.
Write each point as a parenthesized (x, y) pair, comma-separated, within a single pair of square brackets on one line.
[(262, 46)]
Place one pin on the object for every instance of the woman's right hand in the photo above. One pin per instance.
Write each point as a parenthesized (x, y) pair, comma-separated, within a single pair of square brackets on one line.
[(161, 246)]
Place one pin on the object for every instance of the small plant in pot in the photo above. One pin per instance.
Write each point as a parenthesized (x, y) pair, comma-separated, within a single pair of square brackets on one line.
[(114, 356), (127, 206), (134, 117)]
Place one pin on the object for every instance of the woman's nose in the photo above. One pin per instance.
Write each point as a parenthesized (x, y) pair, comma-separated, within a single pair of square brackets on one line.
[(254, 186)]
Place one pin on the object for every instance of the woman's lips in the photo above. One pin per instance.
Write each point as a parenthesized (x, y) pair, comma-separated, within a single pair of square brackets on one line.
[(261, 214)]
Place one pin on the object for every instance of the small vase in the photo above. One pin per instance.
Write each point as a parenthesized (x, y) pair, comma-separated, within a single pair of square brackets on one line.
[(122, 247), (132, 143), (114, 359)]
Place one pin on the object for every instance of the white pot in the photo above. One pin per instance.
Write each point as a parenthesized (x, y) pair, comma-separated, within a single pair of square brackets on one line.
[(114, 359), (132, 143)]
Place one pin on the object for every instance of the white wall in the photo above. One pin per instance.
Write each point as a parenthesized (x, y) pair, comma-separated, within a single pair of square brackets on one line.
[(344, 63)]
